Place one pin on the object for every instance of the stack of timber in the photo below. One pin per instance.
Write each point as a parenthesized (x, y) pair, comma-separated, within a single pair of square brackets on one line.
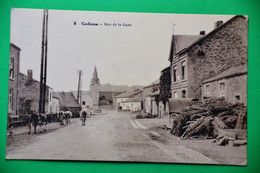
[(212, 119)]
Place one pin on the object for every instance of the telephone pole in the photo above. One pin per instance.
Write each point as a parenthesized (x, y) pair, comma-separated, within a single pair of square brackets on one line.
[(43, 72), (80, 72)]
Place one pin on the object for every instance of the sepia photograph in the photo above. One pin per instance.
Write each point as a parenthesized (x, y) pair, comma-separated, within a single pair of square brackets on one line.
[(127, 87)]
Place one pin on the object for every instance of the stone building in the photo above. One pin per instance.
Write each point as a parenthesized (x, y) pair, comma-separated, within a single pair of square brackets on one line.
[(29, 94), (230, 84), (123, 97), (14, 69), (195, 61), (150, 92), (133, 103)]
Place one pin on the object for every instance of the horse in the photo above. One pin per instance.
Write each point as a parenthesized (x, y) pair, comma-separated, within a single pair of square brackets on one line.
[(61, 117), (37, 119), (83, 116), (68, 116)]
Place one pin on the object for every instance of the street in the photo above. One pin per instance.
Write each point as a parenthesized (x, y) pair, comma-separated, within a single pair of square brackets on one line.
[(110, 136)]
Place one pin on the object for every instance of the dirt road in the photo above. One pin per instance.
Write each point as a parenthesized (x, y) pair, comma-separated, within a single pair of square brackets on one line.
[(111, 136)]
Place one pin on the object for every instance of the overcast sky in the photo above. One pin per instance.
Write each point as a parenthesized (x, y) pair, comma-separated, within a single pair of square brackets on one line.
[(124, 55)]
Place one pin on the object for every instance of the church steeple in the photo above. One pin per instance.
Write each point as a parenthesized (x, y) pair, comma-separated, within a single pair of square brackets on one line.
[(95, 79)]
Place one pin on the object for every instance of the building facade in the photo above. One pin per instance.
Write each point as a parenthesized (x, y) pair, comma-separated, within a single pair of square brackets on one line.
[(29, 94), (105, 92), (230, 84), (208, 56), (14, 69)]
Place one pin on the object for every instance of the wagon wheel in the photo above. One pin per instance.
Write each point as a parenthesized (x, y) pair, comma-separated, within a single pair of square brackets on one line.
[(171, 119)]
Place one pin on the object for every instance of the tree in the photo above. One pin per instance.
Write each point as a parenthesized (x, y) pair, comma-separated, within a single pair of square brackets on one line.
[(165, 86)]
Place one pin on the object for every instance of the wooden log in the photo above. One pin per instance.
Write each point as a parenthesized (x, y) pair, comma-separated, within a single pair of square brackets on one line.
[(222, 141), (238, 143)]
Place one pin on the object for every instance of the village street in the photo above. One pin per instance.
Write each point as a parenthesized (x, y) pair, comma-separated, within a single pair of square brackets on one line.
[(110, 136)]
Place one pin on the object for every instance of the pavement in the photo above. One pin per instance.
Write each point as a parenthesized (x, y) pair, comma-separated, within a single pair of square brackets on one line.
[(111, 136)]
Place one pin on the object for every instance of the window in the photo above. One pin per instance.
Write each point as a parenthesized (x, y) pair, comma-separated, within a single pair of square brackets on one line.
[(175, 94), (201, 53), (11, 100), (222, 86), (183, 93), (50, 97), (175, 74), (237, 99), (83, 103), (207, 89), (11, 68), (183, 64)]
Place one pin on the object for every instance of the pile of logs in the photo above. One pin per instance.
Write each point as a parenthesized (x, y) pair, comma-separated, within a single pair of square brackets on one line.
[(205, 120)]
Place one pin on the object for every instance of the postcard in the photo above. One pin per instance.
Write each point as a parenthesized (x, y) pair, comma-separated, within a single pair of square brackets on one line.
[(127, 87)]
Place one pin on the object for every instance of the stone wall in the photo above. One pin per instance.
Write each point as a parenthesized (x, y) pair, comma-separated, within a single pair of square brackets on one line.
[(234, 86), (222, 49), (29, 93)]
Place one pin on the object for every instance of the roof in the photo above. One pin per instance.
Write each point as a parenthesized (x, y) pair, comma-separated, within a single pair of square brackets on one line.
[(127, 94), (154, 93), (136, 98), (117, 88), (13, 45), (233, 71), (205, 36), (67, 99), (180, 42), (167, 68), (83, 93), (183, 41), (156, 82), (26, 77)]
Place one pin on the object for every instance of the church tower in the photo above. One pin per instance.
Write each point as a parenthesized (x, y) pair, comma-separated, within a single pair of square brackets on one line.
[(95, 79), (94, 88)]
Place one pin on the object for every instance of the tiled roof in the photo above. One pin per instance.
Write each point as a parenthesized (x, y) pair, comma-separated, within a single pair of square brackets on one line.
[(137, 98), (233, 71), (67, 99)]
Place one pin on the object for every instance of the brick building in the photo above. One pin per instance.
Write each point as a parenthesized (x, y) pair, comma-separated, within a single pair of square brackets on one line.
[(13, 93), (208, 56), (29, 94)]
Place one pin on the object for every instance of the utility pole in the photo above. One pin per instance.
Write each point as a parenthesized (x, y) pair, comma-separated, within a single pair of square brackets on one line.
[(43, 73), (80, 72)]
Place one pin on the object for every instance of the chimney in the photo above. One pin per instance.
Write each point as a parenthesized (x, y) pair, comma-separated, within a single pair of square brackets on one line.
[(217, 24), (202, 32), (30, 74)]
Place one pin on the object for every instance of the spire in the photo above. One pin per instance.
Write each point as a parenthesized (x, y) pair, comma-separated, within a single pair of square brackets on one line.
[(95, 69), (95, 79)]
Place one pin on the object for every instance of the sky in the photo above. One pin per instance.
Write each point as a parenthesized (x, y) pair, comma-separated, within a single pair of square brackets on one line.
[(131, 54)]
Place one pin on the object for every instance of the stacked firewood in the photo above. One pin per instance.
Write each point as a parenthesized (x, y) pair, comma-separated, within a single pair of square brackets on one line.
[(205, 120)]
